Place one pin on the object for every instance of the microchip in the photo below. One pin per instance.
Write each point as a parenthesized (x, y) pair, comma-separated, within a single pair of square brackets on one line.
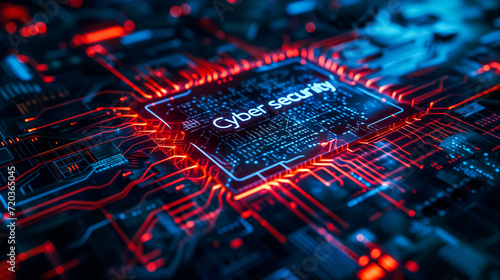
[(274, 118)]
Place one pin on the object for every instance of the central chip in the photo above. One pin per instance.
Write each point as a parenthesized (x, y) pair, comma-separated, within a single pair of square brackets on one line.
[(274, 118)]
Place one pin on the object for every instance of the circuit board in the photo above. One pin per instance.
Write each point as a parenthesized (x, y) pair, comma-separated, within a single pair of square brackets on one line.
[(238, 139)]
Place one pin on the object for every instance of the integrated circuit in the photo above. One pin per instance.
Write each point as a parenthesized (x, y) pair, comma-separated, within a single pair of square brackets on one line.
[(250, 140), (274, 118)]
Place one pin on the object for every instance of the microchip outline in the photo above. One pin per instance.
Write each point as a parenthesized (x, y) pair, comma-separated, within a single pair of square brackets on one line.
[(283, 163)]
